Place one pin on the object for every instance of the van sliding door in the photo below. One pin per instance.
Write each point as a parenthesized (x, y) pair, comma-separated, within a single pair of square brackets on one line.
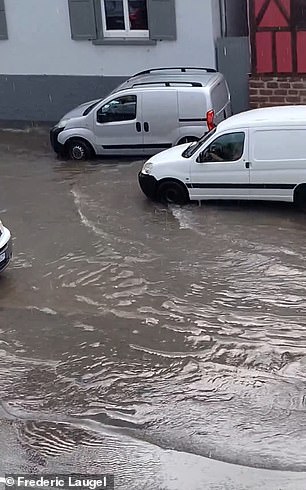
[(277, 159), (159, 119)]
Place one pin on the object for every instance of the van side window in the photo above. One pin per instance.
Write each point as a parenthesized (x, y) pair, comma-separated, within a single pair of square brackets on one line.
[(119, 109), (227, 148)]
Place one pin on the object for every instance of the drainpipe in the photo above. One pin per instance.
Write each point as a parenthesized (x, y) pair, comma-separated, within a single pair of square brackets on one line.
[(222, 8)]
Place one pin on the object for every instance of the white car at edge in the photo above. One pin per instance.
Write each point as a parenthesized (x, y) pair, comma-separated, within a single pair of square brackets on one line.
[(5, 247)]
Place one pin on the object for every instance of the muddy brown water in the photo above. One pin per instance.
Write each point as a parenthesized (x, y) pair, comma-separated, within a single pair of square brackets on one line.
[(139, 339)]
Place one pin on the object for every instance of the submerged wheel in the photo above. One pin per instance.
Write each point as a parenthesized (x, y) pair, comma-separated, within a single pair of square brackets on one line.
[(172, 193), (187, 139), (79, 149)]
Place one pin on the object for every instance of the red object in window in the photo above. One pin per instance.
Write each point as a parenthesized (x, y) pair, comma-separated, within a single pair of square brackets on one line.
[(301, 56), (210, 115), (138, 17), (264, 52)]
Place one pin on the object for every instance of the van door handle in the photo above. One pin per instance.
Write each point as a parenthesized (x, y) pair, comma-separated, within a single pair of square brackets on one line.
[(138, 127), (247, 165), (146, 127)]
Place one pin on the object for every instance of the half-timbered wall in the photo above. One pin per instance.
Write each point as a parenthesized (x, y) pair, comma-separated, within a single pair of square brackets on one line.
[(278, 46)]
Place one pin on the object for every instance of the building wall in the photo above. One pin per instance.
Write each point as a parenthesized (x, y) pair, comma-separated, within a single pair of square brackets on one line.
[(278, 35), (268, 91), (44, 72)]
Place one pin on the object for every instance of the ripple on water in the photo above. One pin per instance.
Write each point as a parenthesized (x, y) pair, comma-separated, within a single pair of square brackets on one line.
[(200, 345)]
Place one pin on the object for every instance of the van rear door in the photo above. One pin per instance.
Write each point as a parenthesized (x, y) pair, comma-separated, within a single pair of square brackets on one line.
[(193, 108), (160, 127)]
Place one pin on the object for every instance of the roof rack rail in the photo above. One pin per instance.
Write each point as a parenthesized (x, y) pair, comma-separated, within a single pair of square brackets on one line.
[(168, 83), (182, 69)]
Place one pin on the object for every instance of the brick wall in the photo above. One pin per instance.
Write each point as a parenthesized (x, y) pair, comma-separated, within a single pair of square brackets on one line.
[(269, 91)]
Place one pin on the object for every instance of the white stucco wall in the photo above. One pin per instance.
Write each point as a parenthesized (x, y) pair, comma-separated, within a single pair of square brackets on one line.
[(40, 43)]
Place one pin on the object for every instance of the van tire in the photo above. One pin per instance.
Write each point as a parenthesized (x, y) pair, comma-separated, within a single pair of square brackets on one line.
[(172, 192), (79, 150), (188, 139), (300, 197)]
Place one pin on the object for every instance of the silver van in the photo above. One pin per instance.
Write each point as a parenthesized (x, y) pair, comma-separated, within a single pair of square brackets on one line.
[(151, 111)]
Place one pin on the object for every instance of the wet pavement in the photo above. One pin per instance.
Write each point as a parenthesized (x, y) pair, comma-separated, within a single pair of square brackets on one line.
[(166, 346)]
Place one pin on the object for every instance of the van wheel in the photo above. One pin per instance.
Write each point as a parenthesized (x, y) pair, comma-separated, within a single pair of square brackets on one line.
[(172, 193), (300, 197), (79, 150), (187, 139)]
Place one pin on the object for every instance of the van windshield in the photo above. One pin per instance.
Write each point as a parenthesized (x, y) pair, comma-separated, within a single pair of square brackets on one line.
[(193, 147), (87, 111)]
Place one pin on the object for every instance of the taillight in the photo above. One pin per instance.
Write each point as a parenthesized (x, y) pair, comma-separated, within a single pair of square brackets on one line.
[(210, 115)]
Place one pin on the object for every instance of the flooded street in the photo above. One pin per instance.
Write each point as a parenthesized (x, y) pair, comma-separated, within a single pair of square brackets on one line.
[(166, 346)]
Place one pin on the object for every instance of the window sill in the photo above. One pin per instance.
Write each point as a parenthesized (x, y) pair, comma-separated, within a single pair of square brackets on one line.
[(127, 41)]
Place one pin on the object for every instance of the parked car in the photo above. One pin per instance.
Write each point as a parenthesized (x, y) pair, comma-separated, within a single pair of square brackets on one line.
[(151, 111), (259, 154), (5, 247)]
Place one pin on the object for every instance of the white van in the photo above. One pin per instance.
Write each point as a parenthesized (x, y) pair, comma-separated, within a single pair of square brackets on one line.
[(258, 154), (151, 111)]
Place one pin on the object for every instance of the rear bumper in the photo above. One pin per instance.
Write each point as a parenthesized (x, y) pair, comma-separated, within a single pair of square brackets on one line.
[(148, 185), (7, 251), (54, 132)]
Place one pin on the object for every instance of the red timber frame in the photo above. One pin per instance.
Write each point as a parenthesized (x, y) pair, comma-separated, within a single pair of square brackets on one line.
[(278, 36)]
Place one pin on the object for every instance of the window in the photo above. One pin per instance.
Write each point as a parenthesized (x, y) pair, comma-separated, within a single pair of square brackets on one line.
[(122, 21), (227, 148), (120, 109), (125, 18)]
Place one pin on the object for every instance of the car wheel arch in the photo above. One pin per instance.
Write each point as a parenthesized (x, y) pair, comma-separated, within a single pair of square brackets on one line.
[(299, 195), (80, 138), (164, 181)]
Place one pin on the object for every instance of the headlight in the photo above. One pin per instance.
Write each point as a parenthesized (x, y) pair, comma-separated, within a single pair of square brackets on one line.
[(146, 169), (62, 123)]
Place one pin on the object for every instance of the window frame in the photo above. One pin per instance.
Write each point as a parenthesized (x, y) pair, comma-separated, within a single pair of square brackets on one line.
[(126, 33), (86, 23)]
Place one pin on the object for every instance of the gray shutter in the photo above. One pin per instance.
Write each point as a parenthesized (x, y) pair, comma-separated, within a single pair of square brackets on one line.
[(82, 19), (3, 25), (162, 21)]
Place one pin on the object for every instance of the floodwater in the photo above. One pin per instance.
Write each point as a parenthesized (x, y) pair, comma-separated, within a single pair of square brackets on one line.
[(166, 346)]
